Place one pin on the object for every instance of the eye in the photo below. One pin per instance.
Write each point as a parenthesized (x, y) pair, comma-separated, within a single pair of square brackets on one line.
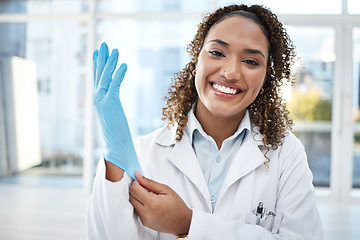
[(251, 62), (216, 53)]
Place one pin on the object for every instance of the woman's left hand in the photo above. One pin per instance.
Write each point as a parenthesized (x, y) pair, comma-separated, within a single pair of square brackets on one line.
[(159, 207)]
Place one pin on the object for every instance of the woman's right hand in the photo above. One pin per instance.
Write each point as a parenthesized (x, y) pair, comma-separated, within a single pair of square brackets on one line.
[(119, 147)]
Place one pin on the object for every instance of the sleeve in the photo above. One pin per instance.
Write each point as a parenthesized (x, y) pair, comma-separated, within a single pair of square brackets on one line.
[(296, 195), (109, 212), (295, 204)]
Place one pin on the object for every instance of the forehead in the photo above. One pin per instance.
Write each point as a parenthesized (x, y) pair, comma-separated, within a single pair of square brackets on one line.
[(239, 30)]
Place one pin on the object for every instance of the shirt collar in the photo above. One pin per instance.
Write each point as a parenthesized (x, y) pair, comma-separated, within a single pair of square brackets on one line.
[(193, 124)]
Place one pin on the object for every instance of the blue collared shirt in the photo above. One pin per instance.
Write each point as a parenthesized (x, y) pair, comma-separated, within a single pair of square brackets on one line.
[(215, 162)]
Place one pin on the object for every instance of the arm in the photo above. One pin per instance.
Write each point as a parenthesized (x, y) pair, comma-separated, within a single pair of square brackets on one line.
[(161, 209), (110, 214), (295, 200)]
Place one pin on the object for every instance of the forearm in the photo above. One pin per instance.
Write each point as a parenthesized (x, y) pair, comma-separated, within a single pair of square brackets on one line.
[(113, 173)]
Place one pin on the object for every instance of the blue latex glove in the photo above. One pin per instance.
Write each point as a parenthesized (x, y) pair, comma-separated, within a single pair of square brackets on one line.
[(119, 147)]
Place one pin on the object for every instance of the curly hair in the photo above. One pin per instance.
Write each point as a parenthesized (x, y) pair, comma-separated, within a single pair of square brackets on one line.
[(268, 111)]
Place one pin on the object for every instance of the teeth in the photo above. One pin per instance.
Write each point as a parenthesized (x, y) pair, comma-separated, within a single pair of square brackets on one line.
[(224, 89)]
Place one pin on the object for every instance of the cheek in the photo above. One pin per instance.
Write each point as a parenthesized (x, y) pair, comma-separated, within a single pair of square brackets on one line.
[(199, 83), (201, 74), (257, 84), (205, 65)]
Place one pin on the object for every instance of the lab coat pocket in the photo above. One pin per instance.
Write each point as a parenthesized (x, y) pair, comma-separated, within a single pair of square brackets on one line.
[(270, 222), (276, 222), (251, 218)]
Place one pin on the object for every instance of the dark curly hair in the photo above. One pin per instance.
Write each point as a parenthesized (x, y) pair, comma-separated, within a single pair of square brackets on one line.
[(268, 111)]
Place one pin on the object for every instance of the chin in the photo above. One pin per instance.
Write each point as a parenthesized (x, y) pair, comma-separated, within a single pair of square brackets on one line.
[(218, 112)]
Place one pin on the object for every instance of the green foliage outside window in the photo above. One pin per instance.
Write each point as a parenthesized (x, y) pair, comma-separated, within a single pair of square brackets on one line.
[(309, 106)]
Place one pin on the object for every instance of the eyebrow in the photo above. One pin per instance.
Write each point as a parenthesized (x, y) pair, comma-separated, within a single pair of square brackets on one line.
[(247, 50), (221, 42), (254, 51)]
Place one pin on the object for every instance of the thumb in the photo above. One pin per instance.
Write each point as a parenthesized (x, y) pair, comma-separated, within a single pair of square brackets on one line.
[(149, 184)]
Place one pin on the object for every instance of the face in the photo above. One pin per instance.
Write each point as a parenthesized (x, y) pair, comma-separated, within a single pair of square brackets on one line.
[(231, 68)]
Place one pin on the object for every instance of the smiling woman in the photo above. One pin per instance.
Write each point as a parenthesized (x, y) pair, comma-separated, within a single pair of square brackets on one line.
[(228, 134)]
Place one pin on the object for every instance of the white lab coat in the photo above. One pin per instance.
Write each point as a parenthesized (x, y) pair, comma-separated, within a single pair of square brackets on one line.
[(285, 187)]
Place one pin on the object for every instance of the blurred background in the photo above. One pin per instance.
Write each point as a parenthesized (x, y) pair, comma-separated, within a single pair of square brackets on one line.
[(50, 140)]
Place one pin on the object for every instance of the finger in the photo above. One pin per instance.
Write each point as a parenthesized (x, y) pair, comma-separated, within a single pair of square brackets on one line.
[(149, 184), (102, 59), (138, 206), (106, 52), (135, 202), (140, 193), (109, 70), (118, 78), (137, 190), (95, 57), (138, 174)]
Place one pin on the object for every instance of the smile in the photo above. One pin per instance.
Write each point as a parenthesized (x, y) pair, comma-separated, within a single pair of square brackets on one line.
[(224, 89)]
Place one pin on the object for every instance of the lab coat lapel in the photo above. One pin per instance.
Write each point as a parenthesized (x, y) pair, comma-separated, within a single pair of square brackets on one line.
[(183, 157), (248, 158)]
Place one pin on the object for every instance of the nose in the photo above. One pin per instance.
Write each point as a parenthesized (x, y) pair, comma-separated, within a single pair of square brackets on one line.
[(231, 70)]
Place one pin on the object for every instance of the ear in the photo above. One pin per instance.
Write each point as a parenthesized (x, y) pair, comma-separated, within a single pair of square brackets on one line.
[(195, 66), (196, 61)]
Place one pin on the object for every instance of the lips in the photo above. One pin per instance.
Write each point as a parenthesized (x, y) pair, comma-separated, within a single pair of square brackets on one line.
[(225, 89)]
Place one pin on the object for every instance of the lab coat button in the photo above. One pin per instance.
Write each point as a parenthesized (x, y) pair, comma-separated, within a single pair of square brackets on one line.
[(218, 159), (213, 199)]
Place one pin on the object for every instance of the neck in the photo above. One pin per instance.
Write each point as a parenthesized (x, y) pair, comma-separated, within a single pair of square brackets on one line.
[(218, 127)]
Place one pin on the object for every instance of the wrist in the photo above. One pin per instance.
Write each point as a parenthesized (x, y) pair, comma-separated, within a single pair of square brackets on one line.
[(182, 236), (184, 231)]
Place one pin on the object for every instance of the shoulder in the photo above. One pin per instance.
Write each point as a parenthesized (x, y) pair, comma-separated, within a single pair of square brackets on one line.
[(292, 153), (291, 143), (290, 148)]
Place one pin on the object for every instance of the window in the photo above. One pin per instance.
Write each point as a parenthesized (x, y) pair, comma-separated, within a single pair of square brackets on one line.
[(296, 7), (51, 52), (310, 101), (52, 42), (43, 6), (353, 6), (154, 50), (153, 6)]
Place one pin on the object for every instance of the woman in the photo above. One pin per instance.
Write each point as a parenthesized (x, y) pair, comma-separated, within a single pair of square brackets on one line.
[(226, 166)]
